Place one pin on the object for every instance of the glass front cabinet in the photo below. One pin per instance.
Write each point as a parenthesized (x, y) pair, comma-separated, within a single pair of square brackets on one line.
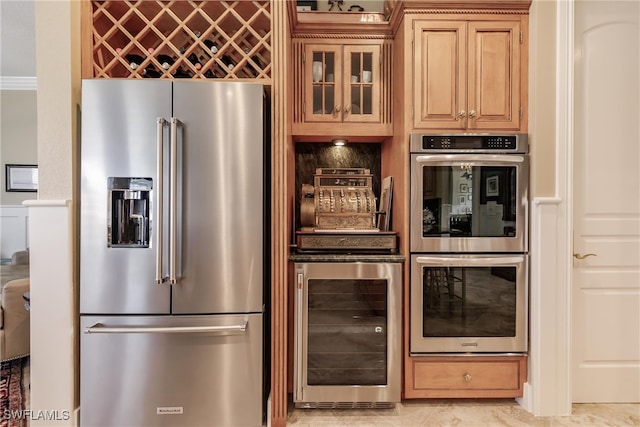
[(344, 84)]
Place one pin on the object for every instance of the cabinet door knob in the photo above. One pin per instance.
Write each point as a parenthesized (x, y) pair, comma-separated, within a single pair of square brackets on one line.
[(337, 108), (347, 108), (467, 376), (462, 114), (472, 113)]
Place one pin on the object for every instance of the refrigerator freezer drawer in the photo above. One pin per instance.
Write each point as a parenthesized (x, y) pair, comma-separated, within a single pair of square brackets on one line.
[(171, 370)]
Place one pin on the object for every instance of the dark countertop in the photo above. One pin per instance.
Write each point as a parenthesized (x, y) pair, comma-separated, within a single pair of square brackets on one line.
[(338, 257)]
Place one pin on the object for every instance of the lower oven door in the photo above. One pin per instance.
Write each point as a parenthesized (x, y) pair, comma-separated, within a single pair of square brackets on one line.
[(468, 303)]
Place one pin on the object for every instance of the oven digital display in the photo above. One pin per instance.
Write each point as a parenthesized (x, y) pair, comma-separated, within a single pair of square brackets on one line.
[(468, 142)]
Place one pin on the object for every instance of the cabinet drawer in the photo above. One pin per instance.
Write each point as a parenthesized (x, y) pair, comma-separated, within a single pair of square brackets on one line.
[(467, 377)]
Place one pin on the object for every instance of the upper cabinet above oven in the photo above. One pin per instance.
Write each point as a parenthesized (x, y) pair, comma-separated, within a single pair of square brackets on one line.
[(470, 72)]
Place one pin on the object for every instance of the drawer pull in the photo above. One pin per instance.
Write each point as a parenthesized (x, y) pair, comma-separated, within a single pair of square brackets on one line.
[(467, 376)]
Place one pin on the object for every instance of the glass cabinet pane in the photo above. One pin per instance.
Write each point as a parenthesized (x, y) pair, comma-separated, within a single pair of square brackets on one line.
[(361, 81), (323, 76)]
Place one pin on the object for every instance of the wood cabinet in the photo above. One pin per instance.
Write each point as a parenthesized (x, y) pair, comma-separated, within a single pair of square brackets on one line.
[(470, 74), (465, 376), (157, 39), (345, 84)]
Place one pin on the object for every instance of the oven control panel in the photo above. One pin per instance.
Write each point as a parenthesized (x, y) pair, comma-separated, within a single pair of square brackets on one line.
[(515, 143)]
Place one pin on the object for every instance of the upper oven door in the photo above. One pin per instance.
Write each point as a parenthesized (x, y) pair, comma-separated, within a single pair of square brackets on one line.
[(469, 202)]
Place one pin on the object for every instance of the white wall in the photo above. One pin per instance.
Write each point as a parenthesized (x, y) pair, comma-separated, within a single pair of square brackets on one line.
[(14, 230), (18, 137)]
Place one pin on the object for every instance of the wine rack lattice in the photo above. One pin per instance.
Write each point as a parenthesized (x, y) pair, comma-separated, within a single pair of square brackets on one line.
[(181, 39)]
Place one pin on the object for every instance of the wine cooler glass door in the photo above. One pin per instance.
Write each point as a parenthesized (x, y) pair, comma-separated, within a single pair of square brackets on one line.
[(348, 334)]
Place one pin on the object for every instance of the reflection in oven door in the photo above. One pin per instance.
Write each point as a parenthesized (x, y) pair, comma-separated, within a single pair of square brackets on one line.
[(468, 303), (469, 203)]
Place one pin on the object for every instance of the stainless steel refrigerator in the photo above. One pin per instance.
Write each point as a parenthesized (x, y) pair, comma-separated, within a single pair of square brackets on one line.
[(173, 231)]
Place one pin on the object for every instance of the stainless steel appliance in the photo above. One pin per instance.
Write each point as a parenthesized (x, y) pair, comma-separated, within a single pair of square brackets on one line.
[(468, 303), (348, 334), (469, 193), (172, 262), (469, 243)]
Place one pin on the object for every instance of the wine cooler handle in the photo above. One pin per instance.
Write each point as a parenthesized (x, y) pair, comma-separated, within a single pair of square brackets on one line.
[(160, 194), (470, 261), (298, 336), (173, 200)]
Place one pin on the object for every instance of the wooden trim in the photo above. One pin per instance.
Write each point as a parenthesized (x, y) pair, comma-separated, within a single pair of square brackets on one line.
[(340, 37), (279, 213), (524, 74), (86, 34), (468, 5), (467, 11)]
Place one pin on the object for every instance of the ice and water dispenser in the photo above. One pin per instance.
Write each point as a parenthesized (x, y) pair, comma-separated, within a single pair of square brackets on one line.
[(129, 216)]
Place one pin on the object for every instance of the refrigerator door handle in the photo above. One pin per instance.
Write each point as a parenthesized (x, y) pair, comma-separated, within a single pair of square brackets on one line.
[(100, 328), (173, 201), (160, 194)]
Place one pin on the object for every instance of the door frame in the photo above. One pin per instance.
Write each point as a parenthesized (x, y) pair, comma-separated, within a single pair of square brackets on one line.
[(564, 191), (548, 390)]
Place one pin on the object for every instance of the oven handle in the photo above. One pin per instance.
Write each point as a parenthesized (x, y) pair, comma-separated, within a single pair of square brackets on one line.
[(463, 261), (471, 158)]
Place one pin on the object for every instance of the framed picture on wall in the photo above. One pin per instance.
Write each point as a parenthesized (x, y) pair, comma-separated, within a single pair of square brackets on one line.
[(493, 188), (306, 6), (21, 178)]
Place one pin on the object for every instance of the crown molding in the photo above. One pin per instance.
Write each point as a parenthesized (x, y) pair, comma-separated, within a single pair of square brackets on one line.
[(18, 83)]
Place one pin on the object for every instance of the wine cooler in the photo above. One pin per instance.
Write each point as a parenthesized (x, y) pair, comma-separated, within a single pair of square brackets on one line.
[(347, 335)]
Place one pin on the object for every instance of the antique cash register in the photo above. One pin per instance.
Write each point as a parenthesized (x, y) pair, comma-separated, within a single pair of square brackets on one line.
[(339, 213)]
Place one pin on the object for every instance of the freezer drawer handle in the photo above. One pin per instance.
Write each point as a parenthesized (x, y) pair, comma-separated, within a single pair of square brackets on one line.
[(100, 328)]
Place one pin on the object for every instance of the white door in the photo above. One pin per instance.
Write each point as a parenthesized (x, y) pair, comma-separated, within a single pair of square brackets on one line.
[(606, 286)]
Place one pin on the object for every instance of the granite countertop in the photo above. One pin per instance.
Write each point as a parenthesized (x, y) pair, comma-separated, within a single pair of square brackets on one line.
[(344, 257)]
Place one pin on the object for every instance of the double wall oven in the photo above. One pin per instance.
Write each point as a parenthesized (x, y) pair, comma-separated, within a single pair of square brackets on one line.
[(469, 243)]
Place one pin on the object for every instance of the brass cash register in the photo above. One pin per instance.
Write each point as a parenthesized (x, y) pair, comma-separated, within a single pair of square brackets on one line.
[(339, 213)]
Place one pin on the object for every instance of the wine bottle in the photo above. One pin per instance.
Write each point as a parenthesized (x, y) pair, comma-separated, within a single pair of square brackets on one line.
[(193, 58), (211, 46), (209, 74), (151, 72), (228, 62), (254, 60), (134, 60), (182, 74), (165, 61)]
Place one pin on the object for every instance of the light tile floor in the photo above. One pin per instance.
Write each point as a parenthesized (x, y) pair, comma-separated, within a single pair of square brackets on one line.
[(472, 413)]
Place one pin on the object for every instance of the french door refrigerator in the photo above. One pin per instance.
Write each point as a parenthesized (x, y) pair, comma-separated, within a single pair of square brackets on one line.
[(172, 263)]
